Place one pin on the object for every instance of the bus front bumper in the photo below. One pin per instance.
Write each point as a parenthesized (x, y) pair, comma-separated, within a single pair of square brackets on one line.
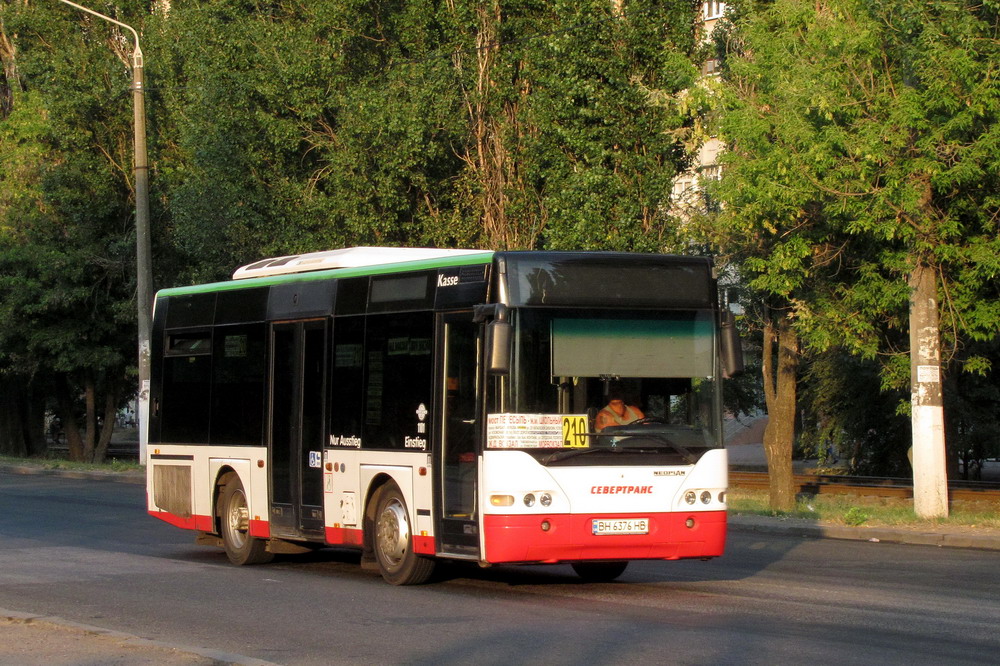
[(545, 538)]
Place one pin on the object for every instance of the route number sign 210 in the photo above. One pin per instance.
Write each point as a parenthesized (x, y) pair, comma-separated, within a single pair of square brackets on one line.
[(574, 430)]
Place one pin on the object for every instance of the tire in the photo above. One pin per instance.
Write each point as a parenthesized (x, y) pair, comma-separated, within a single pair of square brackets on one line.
[(599, 572), (393, 541), (234, 525)]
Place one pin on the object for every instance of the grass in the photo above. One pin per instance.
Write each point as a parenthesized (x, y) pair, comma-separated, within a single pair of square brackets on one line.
[(867, 511), (113, 465)]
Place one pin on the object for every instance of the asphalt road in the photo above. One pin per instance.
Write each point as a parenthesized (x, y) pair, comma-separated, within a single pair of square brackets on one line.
[(86, 551)]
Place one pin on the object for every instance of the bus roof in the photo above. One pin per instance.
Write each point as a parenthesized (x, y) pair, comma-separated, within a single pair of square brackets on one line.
[(347, 262), (351, 257), (361, 261)]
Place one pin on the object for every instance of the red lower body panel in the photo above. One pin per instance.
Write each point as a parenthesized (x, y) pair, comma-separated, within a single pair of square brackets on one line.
[(570, 538), (424, 545), (260, 529), (203, 523), (344, 536)]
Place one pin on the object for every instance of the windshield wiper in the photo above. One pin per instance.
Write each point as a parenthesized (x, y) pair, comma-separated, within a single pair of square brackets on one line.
[(622, 434), (572, 453)]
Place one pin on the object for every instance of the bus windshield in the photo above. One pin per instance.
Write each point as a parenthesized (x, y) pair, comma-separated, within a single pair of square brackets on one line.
[(569, 365)]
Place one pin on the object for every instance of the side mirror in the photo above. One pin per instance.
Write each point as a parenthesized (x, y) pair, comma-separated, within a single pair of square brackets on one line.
[(498, 338), (730, 345)]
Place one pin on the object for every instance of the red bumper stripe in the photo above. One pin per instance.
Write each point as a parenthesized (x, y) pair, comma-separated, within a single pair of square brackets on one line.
[(571, 538)]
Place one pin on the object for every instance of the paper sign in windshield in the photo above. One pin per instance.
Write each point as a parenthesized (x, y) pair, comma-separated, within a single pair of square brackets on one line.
[(532, 431)]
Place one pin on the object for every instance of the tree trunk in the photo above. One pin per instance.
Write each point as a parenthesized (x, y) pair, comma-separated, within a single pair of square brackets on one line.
[(33, 421), (491, 160), (107, 426), (74, 441), (779, 393), (495, 131), (90, 434), (930, 479), (67, 413), (12, 442)]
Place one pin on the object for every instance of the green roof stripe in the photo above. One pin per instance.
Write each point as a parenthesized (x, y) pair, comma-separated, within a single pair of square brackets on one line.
[(312, 276)]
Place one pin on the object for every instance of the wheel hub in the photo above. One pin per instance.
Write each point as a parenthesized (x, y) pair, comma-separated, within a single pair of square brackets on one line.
[(238, 519), (393, 531)]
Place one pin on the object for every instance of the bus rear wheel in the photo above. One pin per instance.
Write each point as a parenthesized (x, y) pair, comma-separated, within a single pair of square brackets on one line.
[(393, 540), (234, 515), (599, 572)]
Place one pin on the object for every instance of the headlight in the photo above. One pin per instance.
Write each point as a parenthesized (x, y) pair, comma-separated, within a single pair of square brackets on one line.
[(529, 500), (706, 497), (545, 499), (690, 497)]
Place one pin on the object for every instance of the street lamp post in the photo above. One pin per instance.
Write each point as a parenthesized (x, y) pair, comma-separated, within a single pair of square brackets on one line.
[(144, 260)]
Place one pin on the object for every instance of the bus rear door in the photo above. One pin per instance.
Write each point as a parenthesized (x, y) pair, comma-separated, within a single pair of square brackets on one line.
[(298, 398)]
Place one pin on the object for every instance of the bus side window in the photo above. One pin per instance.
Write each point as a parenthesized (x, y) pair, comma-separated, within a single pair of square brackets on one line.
[(346, 411), (399, 371), (186, 394), (238, 385)]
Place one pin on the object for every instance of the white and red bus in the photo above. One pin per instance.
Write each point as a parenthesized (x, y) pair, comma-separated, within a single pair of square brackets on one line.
[(422, 404)]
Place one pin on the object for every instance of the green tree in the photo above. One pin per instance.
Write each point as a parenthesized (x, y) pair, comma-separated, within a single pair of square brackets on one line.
[(500, 124), (574, 121), (305, 125), (285, 127), (66, 239), (863, 177)]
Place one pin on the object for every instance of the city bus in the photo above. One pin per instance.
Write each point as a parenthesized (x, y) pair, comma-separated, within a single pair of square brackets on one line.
[(422, 405)]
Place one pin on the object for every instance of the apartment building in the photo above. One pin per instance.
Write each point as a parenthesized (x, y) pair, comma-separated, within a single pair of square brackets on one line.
[(688, 195)]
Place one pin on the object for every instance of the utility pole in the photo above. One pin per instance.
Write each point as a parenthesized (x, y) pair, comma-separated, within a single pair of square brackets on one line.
[(144, 255), (930, 476)]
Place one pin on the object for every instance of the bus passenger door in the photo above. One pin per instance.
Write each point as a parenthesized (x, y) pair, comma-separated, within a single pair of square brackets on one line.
[(457, 457), (298, 398)]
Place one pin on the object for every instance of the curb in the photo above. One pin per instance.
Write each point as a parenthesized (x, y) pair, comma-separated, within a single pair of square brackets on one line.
[(216, 656), (786, 527)]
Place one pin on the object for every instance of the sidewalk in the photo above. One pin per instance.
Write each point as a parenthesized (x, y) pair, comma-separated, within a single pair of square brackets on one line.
[(33, 640), (746, 452)]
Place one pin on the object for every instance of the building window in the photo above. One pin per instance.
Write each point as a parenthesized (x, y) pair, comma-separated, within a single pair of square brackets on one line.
[(713, 10)]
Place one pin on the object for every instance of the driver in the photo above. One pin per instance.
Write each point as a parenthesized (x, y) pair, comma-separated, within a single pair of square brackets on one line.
[(617, 412)]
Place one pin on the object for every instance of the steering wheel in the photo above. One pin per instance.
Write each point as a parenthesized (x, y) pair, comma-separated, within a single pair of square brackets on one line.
[(649, 420)]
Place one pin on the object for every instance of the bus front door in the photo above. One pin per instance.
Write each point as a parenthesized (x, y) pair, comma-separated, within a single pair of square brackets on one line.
[(298, 397), (457, 457)]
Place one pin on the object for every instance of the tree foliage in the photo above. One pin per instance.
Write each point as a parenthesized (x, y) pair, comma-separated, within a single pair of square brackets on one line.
[(280, 127), (863, 147), (864, 139), (498, 124), (66, 244)]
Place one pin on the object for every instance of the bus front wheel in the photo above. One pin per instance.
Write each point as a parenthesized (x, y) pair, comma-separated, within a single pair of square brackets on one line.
[(234, 515), (393, 537)]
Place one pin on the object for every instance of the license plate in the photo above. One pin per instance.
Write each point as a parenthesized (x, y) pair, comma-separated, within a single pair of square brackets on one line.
[(623, 526)]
